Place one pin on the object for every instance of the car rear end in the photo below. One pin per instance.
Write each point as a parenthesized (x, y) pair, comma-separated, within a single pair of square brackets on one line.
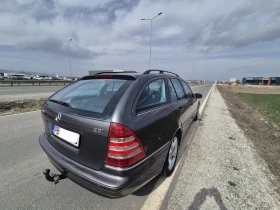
[(83, 143)]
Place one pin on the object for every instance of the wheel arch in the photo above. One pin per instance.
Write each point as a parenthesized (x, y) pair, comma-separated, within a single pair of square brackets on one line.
[(178, 133)]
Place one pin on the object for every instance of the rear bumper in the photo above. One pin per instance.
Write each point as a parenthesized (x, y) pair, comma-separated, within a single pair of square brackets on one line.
[(109, 181)]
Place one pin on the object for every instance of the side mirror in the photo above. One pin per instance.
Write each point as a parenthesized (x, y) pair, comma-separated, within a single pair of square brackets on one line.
[(197, 95)]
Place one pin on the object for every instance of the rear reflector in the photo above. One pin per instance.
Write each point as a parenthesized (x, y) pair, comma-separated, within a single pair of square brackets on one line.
[(124, 148)]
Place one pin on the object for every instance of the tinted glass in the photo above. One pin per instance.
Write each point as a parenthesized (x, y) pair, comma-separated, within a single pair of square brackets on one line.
[(95, 96), (172, 92), (187, 89), (178, 87), (114, 86), (152, 96)]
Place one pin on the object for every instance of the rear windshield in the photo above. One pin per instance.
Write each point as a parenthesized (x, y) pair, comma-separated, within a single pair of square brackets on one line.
[(95, 98)]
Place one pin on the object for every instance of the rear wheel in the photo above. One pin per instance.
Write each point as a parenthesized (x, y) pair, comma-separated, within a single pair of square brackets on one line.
[(170, 162)]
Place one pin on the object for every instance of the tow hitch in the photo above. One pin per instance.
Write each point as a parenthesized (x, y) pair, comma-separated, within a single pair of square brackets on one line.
[(53, 177)]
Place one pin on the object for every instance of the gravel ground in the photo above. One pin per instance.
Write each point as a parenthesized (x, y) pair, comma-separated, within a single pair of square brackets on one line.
[(221, 169)]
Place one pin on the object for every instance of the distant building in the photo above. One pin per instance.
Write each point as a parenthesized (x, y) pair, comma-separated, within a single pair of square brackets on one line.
[(261, 80)]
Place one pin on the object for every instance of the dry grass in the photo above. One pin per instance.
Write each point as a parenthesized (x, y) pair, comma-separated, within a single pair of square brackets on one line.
[(258, 89), (20, 106)]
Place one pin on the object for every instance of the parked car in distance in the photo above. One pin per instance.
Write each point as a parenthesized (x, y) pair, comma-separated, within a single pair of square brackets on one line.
[(56, 78), (1, 78), (67, 79), (27, 77), (18, 77), (114, 132), (40, 77), (37, 78)]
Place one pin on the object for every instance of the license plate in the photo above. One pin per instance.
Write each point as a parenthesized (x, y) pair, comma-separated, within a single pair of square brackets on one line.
[(69, 136)]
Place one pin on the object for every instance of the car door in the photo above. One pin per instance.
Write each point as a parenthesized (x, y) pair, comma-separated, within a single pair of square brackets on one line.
[(192, 100), (154, 123), (182, 105)]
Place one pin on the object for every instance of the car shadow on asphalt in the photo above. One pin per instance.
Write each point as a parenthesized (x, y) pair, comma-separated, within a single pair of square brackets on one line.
[(200, 198), (149, 187)]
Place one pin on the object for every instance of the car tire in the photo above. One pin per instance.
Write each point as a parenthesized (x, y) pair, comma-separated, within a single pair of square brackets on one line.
[(171, 158)]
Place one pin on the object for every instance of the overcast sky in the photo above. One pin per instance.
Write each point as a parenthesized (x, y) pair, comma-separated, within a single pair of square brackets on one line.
[(202, 39)]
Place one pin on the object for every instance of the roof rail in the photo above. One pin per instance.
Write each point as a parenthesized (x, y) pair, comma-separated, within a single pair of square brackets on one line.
[(92, 73), (160, 71)]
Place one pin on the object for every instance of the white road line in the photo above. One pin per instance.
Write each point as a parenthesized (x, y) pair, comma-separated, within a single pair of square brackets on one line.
[(155, 199)]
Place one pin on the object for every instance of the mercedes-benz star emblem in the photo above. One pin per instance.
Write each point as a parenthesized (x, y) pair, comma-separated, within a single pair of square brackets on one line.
[(58, 117)]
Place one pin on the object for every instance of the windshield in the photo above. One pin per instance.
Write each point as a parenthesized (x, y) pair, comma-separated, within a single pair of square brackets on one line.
[(91, 97)]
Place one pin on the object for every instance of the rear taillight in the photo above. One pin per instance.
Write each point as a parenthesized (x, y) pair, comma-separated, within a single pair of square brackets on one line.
[(124, 148)]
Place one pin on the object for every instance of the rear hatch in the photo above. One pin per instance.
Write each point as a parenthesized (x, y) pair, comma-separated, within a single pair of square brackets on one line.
[(77, 118)]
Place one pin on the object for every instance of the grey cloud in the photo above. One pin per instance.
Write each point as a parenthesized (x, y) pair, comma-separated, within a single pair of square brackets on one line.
[(252, 22), (56, 47), (40, 9), (99, 14), (46, 10)]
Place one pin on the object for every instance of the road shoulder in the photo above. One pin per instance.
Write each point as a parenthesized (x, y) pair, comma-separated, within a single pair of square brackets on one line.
[(221, 170)]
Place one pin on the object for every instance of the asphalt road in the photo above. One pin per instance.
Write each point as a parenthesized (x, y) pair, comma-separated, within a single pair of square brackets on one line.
[(8, 93), (18, 90), (22, 185)]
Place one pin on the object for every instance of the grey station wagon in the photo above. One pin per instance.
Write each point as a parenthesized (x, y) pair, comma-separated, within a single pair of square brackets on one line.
[(113, 132)]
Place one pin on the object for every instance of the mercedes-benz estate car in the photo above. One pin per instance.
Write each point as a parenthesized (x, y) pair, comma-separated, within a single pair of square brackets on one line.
[(113, 132)]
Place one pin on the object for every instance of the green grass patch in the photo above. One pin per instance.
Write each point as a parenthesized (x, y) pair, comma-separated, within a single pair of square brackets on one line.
[(267, 104)]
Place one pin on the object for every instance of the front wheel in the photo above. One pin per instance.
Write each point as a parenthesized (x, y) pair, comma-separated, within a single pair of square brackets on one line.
[(170, 162)]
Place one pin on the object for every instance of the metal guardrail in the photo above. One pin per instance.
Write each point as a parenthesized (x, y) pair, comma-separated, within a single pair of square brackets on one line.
[(36, 82)]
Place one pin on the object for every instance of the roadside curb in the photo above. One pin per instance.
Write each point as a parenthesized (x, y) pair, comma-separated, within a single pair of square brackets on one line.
[(203, 105)]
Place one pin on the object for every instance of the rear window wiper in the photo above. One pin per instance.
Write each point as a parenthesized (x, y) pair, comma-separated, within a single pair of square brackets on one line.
[(60, 102)]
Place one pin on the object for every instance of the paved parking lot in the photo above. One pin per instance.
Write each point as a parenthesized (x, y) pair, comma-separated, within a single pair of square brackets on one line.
[(22, 185)]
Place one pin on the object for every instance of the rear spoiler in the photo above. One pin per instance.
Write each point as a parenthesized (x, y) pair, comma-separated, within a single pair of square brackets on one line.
[(125, 77), (115, 74)]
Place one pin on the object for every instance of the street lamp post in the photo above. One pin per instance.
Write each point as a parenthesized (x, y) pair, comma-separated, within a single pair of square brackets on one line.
[(69, 57), (151, 19)]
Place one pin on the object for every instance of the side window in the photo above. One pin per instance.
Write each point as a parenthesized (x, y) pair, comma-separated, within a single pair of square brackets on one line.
[(172, 92), (187, 89), (152, 96), (178, 87)]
